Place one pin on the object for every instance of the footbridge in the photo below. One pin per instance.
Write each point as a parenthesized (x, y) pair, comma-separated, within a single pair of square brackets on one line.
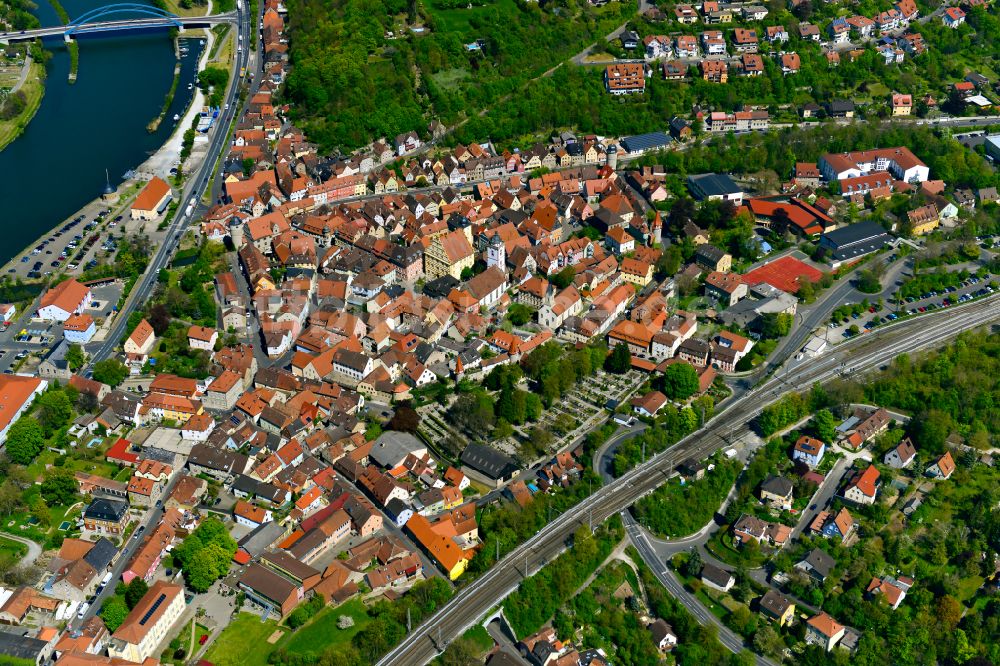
[(118, 18)]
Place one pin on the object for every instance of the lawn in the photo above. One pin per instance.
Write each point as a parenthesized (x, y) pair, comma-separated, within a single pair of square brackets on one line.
[(480, 637), (33, 89), (450, 79), (967, 588), (230, 648), (322, 632), (460, 20), (243, 642), (11, 549)]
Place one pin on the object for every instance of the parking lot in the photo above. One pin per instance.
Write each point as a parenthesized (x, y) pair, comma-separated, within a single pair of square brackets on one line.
[(71, 246), (873, 317)]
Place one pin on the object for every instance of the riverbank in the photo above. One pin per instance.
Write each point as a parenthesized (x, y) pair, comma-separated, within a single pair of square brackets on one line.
[(155, 123), (168, 156), (32, 87), (74, 60), (159, 164)]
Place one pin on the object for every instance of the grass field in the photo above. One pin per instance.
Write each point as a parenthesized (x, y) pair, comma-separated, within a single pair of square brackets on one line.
[(459, 20), (221, 34), (322, 632), (33, 89), (450, 78), (12, 549), (231, 646), (195, 10)]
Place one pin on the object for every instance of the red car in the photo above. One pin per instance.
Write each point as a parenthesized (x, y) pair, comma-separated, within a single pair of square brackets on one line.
[(203, 639)]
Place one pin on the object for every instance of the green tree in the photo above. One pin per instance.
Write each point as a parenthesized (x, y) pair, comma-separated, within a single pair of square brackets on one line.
[(620, 359), (680, 381), (59, 488), (773, 325), (205, 554), (868, 282), (55, 410), (110, 371), (806, 292), (519, 314), (75, 357), (824, 426), (135, 591), (25, 440), (563, 278), (113, 612), (206, 566), (767, 641)]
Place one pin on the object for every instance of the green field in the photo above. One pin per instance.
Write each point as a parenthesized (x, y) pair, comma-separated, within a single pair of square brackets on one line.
[(230, 648), (450, 79), (322, 632), (460, 20), (11, 549)]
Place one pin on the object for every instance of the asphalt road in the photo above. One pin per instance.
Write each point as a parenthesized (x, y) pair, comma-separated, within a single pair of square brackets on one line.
[(727, 636), (197, 185), (142, 530), (864, 353)]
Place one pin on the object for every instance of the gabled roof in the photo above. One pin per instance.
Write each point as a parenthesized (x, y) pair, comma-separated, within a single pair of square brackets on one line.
[(825, 625), (866, 481), (66, 296)]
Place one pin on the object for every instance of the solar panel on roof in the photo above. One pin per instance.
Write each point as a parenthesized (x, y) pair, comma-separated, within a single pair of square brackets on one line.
[(642, 142), (152, 609)]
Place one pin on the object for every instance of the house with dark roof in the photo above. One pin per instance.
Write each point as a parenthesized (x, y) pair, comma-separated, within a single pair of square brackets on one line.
[(854, 241), (495, 466), (777, 493), (270, 589), (106, 515), (902, 455), (777, 607), (817, 564), (715, 187), (662, 634), (717, 578)]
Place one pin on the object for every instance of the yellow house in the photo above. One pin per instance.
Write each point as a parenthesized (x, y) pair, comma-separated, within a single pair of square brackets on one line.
[(443, 550), (902, 105), (166, 407), (141, 340), (636, 271), (448, 254), (924, 219), (264, 283), (777, 607)]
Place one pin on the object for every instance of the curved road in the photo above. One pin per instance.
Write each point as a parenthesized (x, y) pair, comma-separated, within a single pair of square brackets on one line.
[(34, 550), (862, 353)]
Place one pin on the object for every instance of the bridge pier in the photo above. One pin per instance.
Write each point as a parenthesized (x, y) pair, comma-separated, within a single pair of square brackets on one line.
[(67, 37)]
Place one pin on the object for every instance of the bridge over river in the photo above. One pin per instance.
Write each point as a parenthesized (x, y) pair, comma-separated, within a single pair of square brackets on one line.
[(116, 19)]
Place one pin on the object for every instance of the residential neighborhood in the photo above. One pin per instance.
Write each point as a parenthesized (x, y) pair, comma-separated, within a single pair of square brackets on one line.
[(711, 387)]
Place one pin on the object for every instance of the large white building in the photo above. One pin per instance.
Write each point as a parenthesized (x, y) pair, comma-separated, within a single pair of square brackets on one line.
[(16, 394), (900, 162), (63, 300), (148, 624)]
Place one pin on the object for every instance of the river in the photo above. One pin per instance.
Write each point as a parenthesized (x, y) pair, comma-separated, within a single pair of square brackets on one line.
[(58, 164)]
